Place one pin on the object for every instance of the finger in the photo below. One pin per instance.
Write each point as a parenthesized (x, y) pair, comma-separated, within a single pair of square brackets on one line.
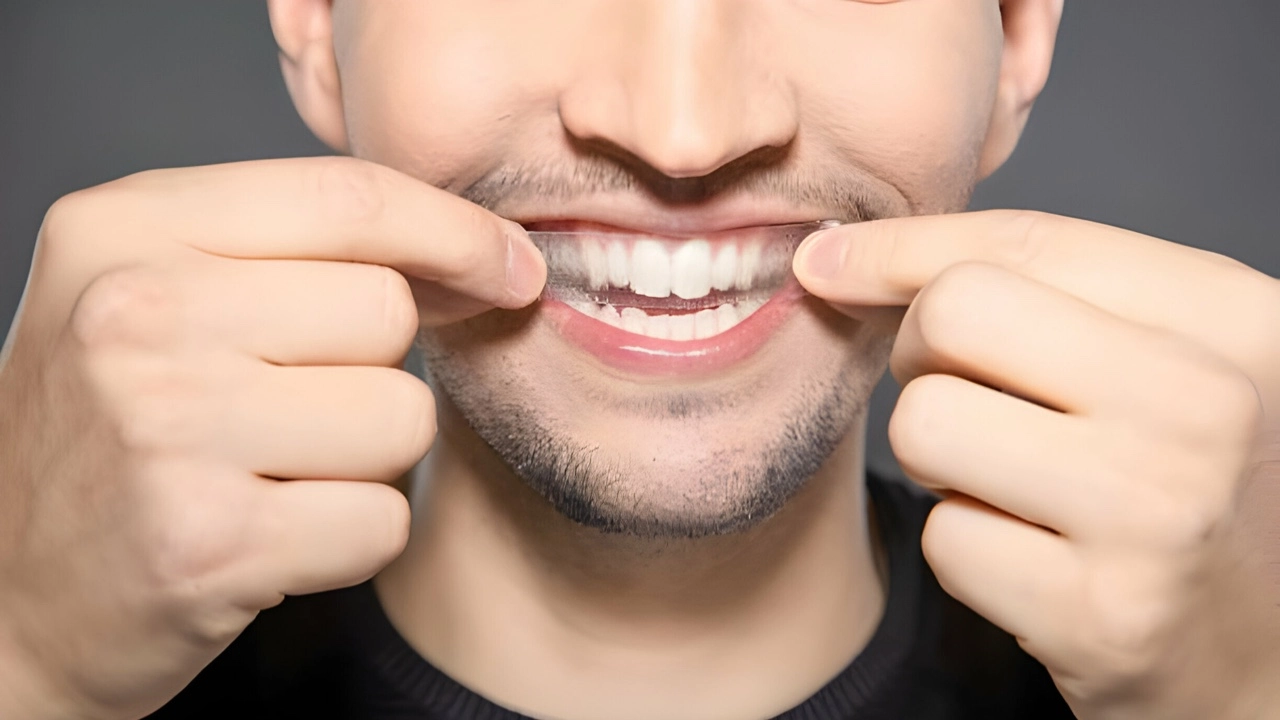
[(315, 535), (336, 209), (1013, 333), (1174, 287), (349, 423), (1044, 467), (1020, 577), (302, 312)]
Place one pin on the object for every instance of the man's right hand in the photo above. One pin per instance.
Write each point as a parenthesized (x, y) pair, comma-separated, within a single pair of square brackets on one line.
[(201, 404)]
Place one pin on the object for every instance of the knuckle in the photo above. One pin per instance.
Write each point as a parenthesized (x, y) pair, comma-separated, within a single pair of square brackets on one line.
[(148, 402), (352, 191), (946, 308), (1264, 333), (399, 309), (1241, 406), (1223, 403), (916, 419), (1185, 519), (73, 225), (125, 306), (938, 537), (413, 416), (68, 217), (1225, 261), (1029, 233), (884, 253), (213, 623), (1127, 624), (192, 540), (460, 256), (156, 414), (78, 216), (396, 524)]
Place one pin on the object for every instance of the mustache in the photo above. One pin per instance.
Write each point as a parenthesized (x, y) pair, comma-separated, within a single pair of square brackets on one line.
[(848, 193)]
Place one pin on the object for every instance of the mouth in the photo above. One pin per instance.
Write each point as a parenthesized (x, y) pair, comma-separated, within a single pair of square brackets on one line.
[(649, 304)]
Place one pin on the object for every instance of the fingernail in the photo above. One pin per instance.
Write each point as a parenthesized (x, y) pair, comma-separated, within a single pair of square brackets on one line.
[(526, 270), (822, 254)]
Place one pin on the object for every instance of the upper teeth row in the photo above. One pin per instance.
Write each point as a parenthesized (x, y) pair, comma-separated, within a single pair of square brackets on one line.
[(689, 271)]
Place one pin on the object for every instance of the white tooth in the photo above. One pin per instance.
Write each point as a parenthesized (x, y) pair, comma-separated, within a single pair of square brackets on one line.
[(726, 317), (633, 320), (596, 262), (650, 269), (658, 326), (691, 269), (724, 269), (748, 265), (586, 308), (616, 255), (704, 324), (609, 314), (747, 309), (683, 327)]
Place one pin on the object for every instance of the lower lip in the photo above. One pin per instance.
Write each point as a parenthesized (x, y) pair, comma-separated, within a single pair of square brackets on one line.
[(641, 355)]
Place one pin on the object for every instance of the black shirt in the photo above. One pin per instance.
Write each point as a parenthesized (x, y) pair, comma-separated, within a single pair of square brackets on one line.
[(336, 655)]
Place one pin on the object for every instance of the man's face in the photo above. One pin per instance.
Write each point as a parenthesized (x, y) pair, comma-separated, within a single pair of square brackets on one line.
[(682, 119)]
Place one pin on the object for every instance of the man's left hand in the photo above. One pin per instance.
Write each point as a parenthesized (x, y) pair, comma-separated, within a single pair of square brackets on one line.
[(1101, 412)]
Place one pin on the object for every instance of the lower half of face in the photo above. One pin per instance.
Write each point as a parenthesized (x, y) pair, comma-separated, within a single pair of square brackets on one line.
[(660, 454), (670, 418)]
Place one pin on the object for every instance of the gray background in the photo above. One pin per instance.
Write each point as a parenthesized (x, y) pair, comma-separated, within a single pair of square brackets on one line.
[(1161, 117)]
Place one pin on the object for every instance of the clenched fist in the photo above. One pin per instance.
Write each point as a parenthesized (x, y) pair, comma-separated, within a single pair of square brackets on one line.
[(1102, 411), (201, 403)]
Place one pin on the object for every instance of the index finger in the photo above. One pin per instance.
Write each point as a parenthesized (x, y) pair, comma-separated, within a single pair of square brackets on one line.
[(1174, 287), (337, 209)]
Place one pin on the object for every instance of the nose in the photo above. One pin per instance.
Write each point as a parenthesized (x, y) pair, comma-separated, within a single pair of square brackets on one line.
[(680, 85)]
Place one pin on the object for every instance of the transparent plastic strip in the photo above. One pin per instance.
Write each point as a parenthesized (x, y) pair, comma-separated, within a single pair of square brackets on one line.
[(593, 266)]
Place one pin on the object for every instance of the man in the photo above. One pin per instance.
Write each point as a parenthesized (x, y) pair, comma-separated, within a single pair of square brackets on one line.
[(202, 409)]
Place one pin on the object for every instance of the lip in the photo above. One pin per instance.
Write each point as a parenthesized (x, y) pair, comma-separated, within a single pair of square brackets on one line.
[(645, 356), (639, 355), (625, 215)]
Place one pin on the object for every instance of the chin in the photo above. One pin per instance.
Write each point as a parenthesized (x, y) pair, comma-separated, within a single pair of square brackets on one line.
[(651, 452)]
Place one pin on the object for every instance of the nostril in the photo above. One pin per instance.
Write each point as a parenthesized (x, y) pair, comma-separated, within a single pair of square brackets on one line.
[(676, 126)]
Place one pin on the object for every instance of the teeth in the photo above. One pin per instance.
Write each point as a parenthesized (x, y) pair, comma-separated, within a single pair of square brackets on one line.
[(619, 264), (748, 265), (682, 327), (724, 271), (650, 269), (586, 308), (726, 317), (691, 269), (705, 324), (609, 314), (658, 326), (687, 326), (597, 262), (634, 320)]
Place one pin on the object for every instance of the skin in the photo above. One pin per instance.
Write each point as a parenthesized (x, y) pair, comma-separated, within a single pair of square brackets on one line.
[(202, 383), (674, 113), (1120, 524)]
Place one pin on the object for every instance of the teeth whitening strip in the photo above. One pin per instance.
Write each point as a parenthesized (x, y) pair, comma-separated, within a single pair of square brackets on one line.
[(667, 288)]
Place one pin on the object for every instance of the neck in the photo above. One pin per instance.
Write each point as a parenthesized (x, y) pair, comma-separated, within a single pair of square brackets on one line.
[(549, 618)]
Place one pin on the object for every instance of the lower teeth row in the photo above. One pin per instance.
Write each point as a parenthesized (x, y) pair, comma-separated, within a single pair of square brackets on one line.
[(689, 326)]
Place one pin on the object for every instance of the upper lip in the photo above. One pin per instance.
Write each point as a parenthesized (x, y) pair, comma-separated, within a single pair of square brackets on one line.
[(634, 215)]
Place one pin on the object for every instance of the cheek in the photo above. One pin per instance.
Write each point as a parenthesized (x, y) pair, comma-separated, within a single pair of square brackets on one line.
[(907, 89), (436, 97)]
